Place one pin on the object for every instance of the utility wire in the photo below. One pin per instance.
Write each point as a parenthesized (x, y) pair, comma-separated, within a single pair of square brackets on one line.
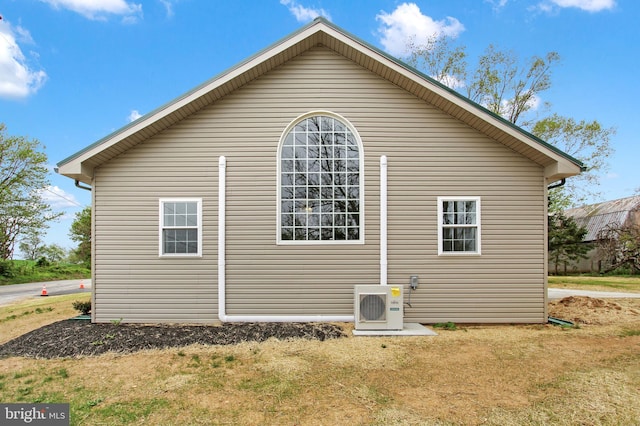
[(74, 202)]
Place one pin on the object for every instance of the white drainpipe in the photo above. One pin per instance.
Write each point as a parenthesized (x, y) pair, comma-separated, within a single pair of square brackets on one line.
[(222, 314), (222, 242), (383, 220)]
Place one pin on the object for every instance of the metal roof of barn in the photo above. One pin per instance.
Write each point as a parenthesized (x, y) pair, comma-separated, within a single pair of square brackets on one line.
[(596, 217)]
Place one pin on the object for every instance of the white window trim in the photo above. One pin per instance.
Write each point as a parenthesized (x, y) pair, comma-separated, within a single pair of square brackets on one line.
[(292, 124), (478, 226), (161, 203)]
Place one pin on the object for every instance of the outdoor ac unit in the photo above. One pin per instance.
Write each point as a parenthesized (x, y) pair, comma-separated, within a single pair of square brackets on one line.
[(378, 307)]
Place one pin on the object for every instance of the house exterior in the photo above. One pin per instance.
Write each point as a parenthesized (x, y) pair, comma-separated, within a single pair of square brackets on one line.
[(597, 218), (321, 163)]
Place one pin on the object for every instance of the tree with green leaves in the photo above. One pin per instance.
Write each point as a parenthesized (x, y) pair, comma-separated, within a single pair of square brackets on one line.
[(566, 246), (499, 82), (23, 178), (585, 140), (441, 60), (81, 233), (512, 89), (32, 245), (54, 253)]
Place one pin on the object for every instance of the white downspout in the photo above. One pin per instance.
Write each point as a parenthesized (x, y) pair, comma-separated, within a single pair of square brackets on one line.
[(383, 220), (222, 235), (222, 311)]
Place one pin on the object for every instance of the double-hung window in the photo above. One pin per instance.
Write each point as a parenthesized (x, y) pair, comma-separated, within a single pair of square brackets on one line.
[(458, 225), (180, 227), (320, 182)]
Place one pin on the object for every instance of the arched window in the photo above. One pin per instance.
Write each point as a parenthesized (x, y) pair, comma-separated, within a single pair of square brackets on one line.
[(320, 181)]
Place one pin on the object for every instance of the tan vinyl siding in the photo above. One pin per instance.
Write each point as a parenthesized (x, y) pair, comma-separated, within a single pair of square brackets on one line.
[(430, 154)]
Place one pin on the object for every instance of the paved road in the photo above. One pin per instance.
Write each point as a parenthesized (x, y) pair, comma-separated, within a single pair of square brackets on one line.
[(13, 293), (559, 293)]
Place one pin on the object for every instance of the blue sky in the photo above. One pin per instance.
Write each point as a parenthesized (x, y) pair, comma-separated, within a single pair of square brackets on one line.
[(73, 71)]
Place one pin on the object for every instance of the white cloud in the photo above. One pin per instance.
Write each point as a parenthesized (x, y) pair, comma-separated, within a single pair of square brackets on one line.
[(612, 176), (304, 14), (58, 198), (66, 216), (407, 22), (586, 5), (17, 78), (533, 103), (450, 81), (134, 115), (497, 4), (100, 9), (168, 6)]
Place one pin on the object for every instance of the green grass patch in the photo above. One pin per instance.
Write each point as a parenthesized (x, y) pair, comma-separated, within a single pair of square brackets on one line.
[(49, 397), (586, 282), (446, 326), (130, 411), (40, 305), (271, 386), (28, 271), (630, 332), (26, 313), (20, 374), (92, 403)]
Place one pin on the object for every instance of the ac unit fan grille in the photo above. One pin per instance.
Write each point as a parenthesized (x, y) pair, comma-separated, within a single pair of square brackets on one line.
[(373, 307)]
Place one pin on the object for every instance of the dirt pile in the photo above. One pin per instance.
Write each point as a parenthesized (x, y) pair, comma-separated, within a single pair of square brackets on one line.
[(588, 310)]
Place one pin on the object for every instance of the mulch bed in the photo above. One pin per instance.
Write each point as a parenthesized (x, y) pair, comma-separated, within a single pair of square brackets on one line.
[(73, 338)]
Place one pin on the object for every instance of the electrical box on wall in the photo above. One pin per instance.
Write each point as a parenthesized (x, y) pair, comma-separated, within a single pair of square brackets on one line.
[(413, 282)]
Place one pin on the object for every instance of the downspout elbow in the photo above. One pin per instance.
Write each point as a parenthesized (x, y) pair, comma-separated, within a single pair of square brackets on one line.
[(558, 185), (86, 188)]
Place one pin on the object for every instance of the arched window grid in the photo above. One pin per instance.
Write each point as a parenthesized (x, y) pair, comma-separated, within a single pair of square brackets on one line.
[(320, 182)]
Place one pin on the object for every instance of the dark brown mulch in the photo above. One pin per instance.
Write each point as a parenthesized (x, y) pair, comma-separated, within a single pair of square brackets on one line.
[(72, 338)]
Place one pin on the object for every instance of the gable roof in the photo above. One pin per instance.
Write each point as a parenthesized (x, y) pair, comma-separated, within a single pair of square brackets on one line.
[(596, 217), (557, 164)]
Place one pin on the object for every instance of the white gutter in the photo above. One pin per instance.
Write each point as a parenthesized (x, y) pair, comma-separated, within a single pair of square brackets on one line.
[(383, 220), (222, 311)]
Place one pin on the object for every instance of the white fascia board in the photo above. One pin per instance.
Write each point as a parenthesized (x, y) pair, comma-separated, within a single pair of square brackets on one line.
[(76, 170), (560, 170)]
